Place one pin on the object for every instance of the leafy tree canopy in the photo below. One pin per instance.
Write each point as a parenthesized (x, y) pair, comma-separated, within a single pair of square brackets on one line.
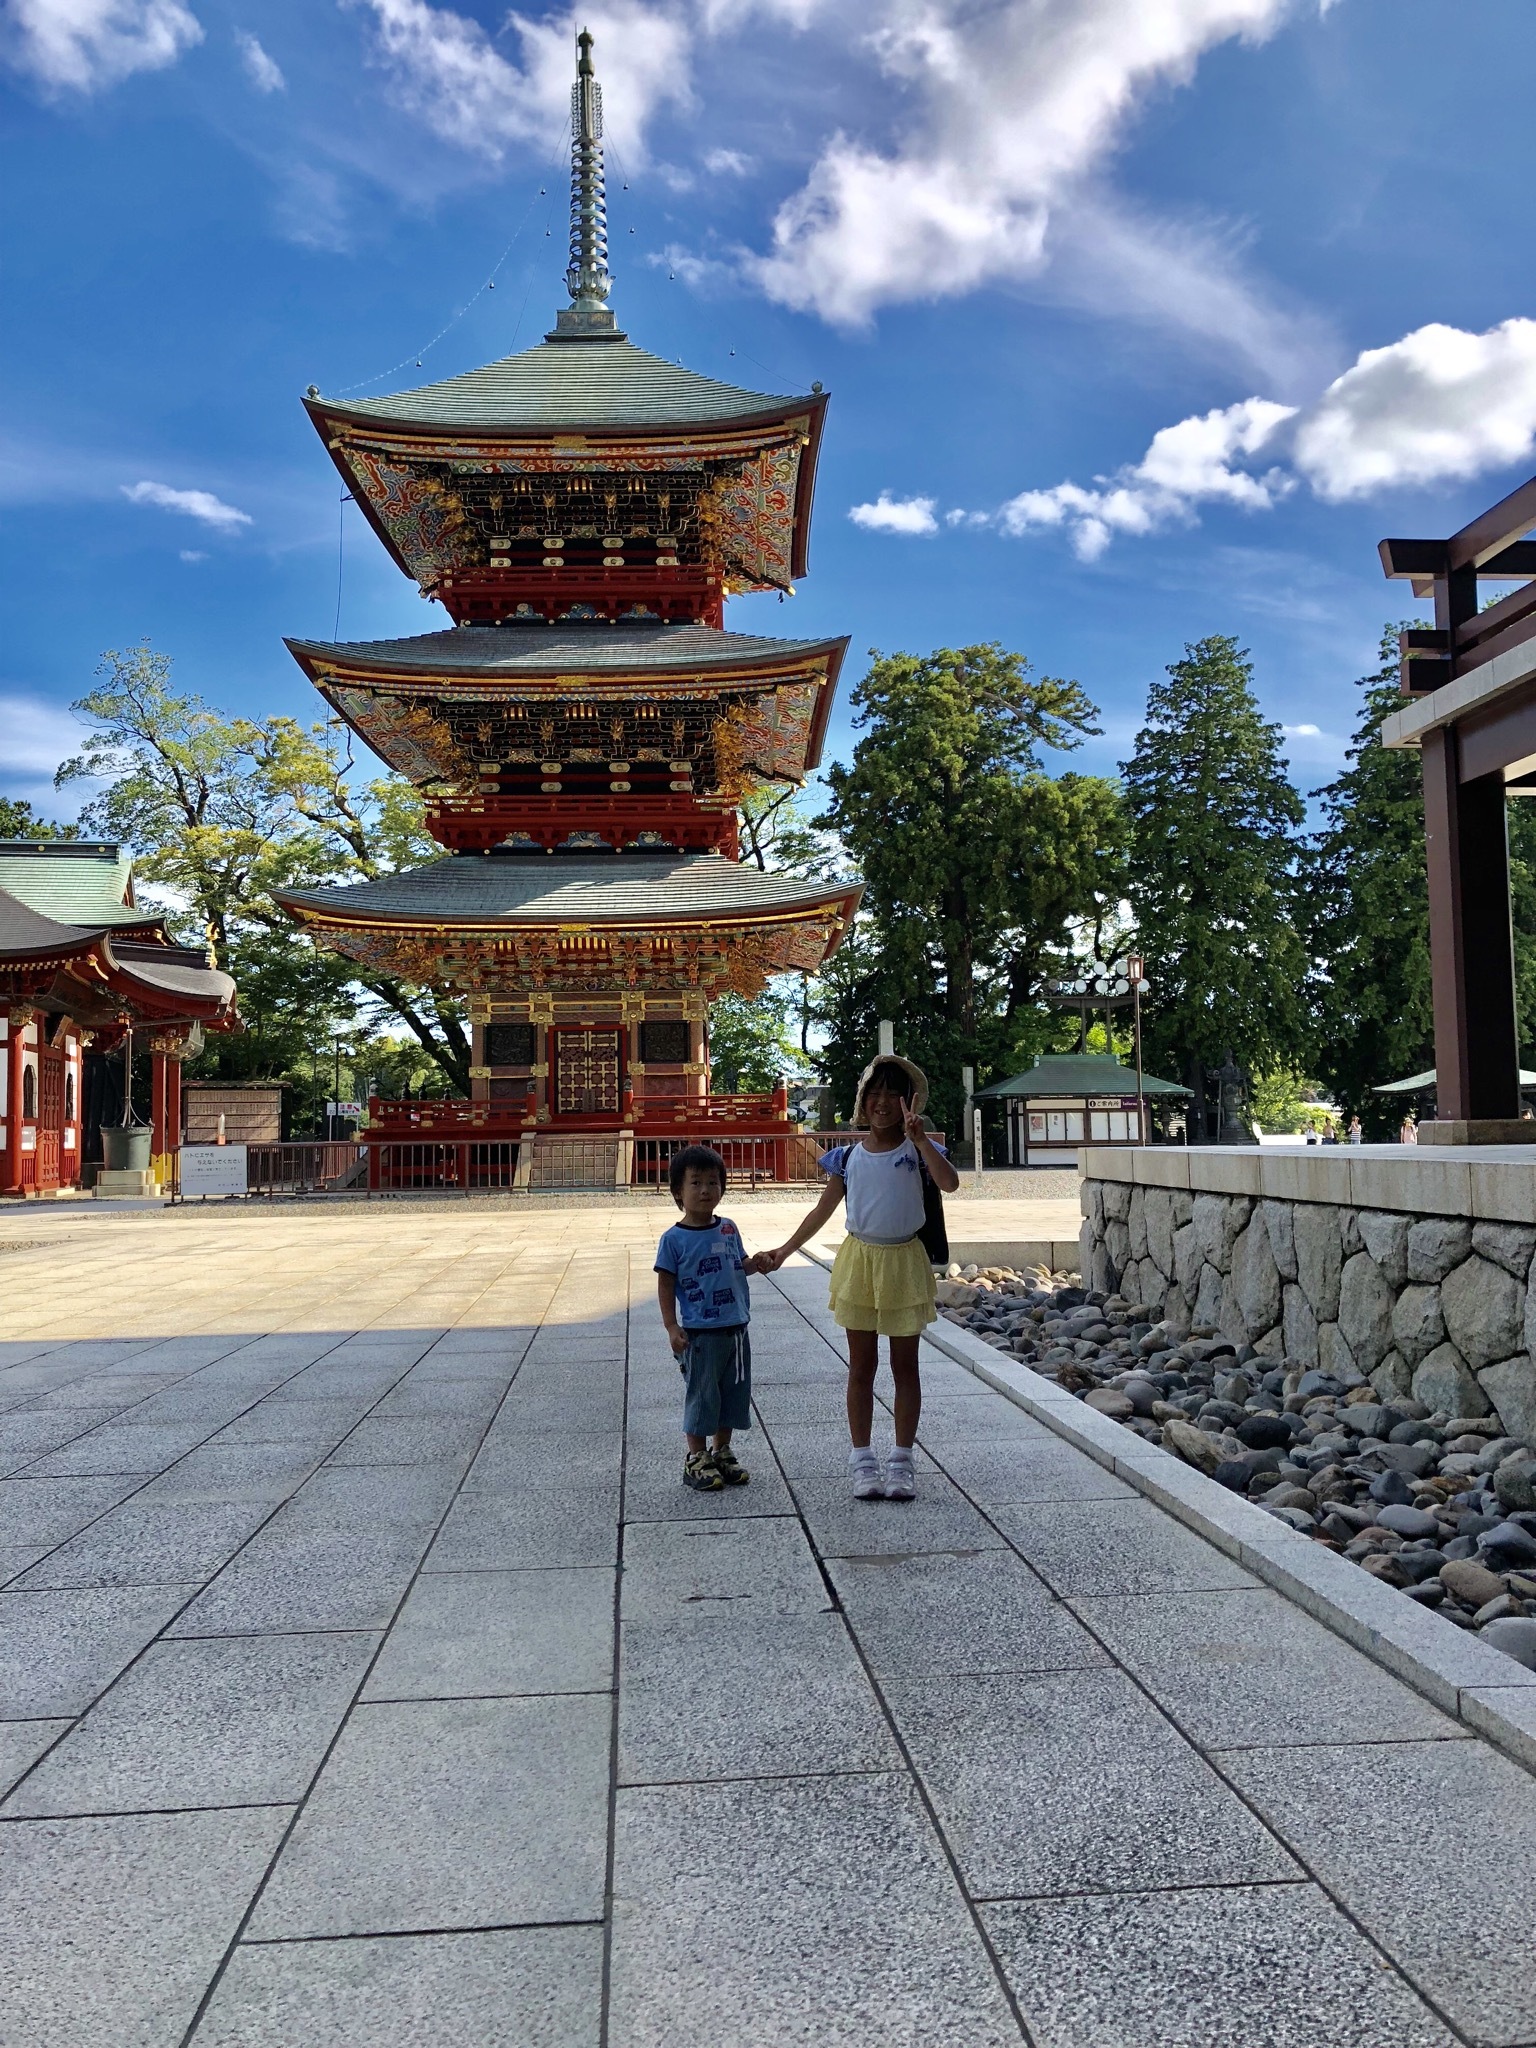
[(18, 820)]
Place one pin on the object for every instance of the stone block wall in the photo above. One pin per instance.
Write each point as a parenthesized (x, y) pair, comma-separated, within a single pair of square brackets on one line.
[(1442, 1307)]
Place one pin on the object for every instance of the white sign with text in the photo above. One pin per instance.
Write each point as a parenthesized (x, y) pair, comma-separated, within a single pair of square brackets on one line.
[(212, 1170)]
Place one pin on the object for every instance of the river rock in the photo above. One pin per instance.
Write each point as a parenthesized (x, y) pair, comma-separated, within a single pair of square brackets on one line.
[(1192, 1445), (1484, 1308), (1407, 1521), (1514, 1485), (1391, 1488), (1507, 1548), (1264, 1432), (1443, 1382), (1110, 1401), (1436, 1245), (1470, 1581), (1392, 1378), (1516, 1637)]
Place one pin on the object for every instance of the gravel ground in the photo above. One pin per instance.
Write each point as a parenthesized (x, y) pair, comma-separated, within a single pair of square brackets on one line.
[(1440, 1506)]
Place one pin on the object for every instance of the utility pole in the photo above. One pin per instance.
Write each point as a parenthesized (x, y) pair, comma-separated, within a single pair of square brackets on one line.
[(1133, 967)]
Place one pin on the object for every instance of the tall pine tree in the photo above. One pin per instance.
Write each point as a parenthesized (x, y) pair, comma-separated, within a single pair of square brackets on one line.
[(1214, 818)]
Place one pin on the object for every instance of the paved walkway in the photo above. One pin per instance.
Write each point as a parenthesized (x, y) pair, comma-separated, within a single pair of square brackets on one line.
[(367, 1677)]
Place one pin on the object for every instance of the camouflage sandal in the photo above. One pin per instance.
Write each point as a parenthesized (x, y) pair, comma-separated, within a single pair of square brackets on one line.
[(730, 1472), (699, 1472)]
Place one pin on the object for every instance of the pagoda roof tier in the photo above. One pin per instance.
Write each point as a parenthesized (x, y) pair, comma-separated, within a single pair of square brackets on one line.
[(513, 924), (704, 503), (570, 381), (720, 708)]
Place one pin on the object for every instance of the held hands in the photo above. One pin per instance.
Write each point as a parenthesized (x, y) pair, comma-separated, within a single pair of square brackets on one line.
[(767, 1262)]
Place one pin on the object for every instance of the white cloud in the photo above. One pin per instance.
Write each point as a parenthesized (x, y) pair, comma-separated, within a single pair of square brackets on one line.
[(86, 45), (38, 736), (446, 70), (727, 163), (1302, 732), (896, 515), (201, 505), (1184, 466), (262, 70), (1440, 403), (194, 554), (1004, 111)]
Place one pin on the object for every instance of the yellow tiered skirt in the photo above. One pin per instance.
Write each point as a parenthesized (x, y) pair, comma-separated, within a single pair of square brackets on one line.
[(887, 1288)]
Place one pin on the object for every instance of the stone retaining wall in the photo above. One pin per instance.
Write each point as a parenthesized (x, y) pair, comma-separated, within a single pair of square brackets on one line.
[(1438, 1305)]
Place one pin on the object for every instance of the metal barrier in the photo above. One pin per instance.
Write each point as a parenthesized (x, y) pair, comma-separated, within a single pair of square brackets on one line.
[(748, 1161), (464, 1164), (305, 1167)]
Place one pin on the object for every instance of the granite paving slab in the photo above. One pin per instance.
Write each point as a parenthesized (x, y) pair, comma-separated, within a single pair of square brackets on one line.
[(654, 1489), (21, 1744), (227, 1721), (954, 1611), (505, 1532), (125, 1447), (409, 1440), (15, 1557), (110, 1929), (721, 1696), (832, 1901), (952, 1418), (815, 1450), (1241, 1668), (549, 1467), (511, 1988), (1073, 1782), (939, 1519), (1011, 1470), (338, 1555), (485, 1634), (1276, 1965), (111, 1391), (1434, 1846), (433, 1814), (152, 1543), (50, 1511), (439, 1398), (289, 1421), (748, 1568), (29, 1433), (233, 1472), (1116, 1546)]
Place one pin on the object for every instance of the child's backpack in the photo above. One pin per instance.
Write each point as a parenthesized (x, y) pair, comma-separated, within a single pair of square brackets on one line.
[(934, 1236)]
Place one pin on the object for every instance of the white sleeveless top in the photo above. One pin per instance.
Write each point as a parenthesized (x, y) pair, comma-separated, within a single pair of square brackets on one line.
[(885, 1191)]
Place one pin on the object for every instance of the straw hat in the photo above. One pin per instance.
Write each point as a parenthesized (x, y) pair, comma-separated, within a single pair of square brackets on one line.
[(913, 1072)]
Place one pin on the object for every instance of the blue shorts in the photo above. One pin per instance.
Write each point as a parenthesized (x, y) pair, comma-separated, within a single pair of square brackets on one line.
[(717, 1368)]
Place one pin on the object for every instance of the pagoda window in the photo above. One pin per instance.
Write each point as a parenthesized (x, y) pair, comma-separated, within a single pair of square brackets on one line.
[(29, 1092), (509, 1045), (663, 1040), (69, 1096)]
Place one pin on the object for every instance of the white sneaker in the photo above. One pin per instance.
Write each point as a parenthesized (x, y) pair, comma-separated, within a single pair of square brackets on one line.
[(900, 1479), (864, 1471)]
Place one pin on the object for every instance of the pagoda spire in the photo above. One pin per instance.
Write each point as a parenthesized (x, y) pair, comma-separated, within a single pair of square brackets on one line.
[(587, 277)]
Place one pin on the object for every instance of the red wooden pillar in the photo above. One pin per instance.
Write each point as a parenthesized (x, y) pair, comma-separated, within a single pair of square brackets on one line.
[(1471, 945), (13, 1117), (173, 1105), (157, 1104)]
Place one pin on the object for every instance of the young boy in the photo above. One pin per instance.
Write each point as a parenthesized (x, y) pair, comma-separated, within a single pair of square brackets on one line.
[(701, 1285)]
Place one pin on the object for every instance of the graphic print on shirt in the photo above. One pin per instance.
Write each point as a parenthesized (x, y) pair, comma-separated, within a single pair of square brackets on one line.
[(710, 1274)]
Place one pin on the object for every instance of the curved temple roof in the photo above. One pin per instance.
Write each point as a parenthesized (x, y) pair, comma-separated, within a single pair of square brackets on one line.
[(652, 890), (587, 381), (513, 651)]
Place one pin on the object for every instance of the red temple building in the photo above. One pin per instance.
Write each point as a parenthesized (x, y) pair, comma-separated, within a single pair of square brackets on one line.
[(84, 970), (586, 730)]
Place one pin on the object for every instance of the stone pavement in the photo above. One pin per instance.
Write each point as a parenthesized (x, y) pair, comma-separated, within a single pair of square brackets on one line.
[(368, 1677)]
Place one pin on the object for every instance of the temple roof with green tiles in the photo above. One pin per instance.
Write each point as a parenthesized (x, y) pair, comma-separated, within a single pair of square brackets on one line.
[(1073, 1074), (531, 648), (588, 380), (81, 882)]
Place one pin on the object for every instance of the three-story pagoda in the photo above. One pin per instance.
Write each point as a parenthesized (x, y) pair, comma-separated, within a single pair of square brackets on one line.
[(584, 733)]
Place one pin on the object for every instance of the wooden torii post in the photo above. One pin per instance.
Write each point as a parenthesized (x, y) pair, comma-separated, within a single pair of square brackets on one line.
[(1471, 679)]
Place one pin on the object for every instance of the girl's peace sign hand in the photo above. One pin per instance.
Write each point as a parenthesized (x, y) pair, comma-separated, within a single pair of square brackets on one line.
[(913, 1124)]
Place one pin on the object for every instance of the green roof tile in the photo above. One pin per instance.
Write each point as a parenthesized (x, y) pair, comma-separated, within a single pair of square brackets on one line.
[(539, 649), (1075, 1074), (76, 881), (585, 383)]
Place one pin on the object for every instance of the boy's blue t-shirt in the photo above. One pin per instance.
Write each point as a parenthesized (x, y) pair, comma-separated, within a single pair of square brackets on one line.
[(710, 1272)]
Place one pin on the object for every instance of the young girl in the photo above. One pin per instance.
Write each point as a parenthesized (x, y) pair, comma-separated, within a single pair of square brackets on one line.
[(882, 1281)]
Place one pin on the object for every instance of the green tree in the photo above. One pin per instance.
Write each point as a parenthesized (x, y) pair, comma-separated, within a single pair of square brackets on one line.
[(1214, 819), (221, 812), (751, 1043), (976, 861), (18, 820), (1368, 924)]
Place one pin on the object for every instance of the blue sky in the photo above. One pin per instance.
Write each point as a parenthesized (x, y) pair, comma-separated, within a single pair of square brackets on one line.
[(1143, 319)]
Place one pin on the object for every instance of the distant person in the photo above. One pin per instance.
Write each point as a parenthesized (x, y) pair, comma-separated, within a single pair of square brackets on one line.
[(701, 1286), (1356, 1135), (1409, 1132), (882, 1278), (1311, 1134), (1330, 1132)]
